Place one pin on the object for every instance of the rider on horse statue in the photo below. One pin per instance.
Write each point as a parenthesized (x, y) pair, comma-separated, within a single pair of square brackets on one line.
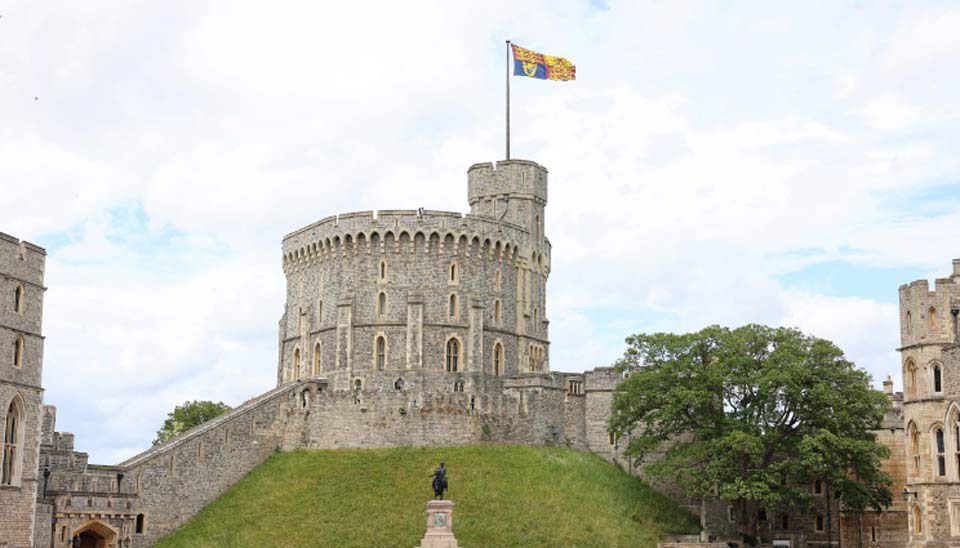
[(439, 481)]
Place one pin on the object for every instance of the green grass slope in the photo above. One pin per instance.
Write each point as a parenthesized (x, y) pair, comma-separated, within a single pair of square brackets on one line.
[(505, 496)]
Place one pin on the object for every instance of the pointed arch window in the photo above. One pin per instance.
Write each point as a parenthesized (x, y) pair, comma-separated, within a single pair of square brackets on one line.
[(454, 273), (917, 520), (453, 309), (497, 312), (915, 448), (912, 379), (383, 270), (937, 379), (18, 352), (317, 359), (932, 319), (453, 354), (498, 280), (940, 446), (909, 323), (12, 442), (296, 364), (381, 304), (381, 352), (497, 359), (18, 299)]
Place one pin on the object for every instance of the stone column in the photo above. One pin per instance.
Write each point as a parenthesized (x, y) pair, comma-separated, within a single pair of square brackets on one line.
[(345, 336), (414, 330), (475, 336), (439, 525)]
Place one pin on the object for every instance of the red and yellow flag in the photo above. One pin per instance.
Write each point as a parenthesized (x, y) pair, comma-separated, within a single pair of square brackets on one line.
[(545, 67)]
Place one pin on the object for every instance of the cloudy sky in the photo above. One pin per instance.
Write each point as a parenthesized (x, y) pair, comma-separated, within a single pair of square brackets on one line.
[(713, 163)]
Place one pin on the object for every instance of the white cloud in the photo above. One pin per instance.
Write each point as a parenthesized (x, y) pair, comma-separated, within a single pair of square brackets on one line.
[(703, 152)]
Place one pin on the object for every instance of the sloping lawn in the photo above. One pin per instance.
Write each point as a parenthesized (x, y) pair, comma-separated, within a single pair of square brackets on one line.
[(505, 496)]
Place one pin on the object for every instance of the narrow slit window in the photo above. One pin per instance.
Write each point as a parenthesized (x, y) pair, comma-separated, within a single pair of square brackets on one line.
[(381, 353), (453, 306), (382, 304), (18, 352), (18, 299), (937, 379), (941, 459)]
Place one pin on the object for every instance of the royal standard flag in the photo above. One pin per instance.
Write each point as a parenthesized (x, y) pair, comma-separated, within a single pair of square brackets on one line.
[(545, 67)]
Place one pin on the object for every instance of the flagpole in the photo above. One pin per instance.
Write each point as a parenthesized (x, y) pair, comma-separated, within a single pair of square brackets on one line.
[(508, 99)]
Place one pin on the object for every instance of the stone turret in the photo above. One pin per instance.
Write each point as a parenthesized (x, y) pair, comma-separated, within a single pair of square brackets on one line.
[(931, 378), (514, 191)]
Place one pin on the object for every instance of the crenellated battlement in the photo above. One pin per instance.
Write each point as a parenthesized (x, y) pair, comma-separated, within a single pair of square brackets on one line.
[(926, 316), (507, 177), (22, 260), (396, 231)]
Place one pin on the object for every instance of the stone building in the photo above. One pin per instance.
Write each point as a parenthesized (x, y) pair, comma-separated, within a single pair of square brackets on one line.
[(929, 333), (21, 397), (400, 328)]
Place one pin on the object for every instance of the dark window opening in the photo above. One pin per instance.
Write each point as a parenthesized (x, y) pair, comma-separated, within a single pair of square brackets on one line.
[(139, 528), (937, 382)]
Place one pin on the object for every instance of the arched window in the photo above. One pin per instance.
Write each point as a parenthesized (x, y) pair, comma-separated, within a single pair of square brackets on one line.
[(932, 319), (18, 352), (911, 379), (917, 520), (954, 421), (12, 441), (398, 384), (18, 299), (357, 387), (453, 354), (296, 364), (458, 386), (319, 312), (915, 448), (497, 312), (498, 359), (381, 352), (937, 379), (908, 323), (498, 280), (941, 459), (453, 272), (139, 527), (383, 270), (317, 359), (453, 305), (381, 304)]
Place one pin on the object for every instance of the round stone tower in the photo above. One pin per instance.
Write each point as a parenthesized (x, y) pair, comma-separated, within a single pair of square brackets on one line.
[(422, 299), (931, 378)]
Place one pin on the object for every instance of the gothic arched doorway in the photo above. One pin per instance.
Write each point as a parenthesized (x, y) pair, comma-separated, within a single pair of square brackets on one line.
[(95, 534)]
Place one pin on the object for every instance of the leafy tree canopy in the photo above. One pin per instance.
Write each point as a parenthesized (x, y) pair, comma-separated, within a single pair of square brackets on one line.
[(755, 412), (186, 416)]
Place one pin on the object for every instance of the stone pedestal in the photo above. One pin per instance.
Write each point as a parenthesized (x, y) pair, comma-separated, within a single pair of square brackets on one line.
[(439, 525)]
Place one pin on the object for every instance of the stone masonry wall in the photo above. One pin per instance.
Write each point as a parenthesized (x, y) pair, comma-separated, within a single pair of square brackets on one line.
[(21, 273), (174, 481)]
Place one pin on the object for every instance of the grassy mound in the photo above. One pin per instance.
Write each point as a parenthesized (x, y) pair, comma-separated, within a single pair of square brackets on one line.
[(505, 496)]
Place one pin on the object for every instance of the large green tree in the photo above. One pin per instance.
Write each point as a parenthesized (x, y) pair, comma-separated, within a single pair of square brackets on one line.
[(756, 413), (186, 416)]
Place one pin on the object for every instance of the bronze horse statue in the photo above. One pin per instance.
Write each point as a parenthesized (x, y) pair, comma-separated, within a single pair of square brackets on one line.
[(439, 481)]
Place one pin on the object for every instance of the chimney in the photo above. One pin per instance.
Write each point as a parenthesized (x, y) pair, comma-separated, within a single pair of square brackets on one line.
[(888, 386)]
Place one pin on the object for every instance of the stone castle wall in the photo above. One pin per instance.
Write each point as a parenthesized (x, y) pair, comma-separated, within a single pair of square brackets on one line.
[(21, 367), (931, 414)]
